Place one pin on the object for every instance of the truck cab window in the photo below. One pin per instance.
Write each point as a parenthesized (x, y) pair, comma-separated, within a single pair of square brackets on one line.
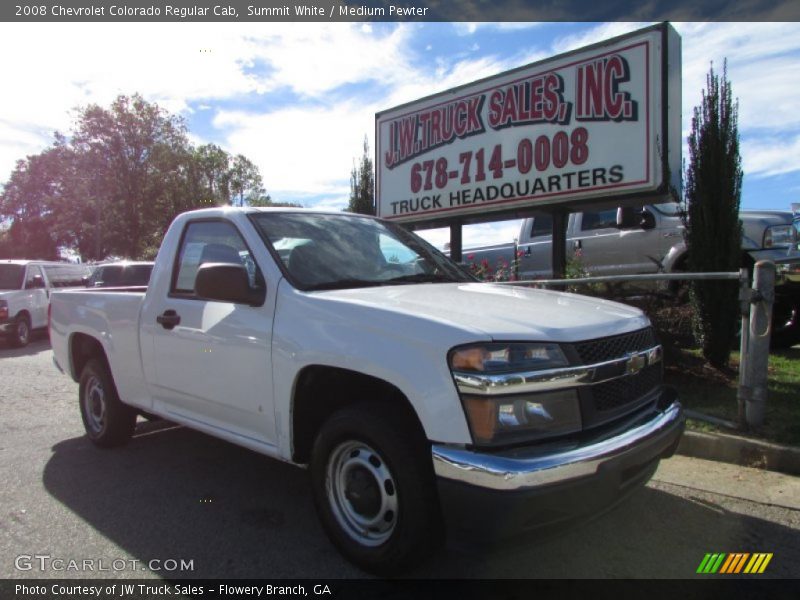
[(542, 225), (602, 219), (211, 242), (34, 278)]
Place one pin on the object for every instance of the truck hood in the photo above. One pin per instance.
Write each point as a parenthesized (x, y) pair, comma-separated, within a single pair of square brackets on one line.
[(497, 312)]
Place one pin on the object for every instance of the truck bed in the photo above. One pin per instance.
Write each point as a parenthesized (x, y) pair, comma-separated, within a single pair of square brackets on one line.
[(114, 314)]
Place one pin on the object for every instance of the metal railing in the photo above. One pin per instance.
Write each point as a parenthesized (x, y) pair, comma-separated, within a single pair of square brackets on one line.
[(755, 303)]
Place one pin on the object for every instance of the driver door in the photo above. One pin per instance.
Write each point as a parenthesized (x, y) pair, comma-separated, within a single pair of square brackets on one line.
[(211, 360)]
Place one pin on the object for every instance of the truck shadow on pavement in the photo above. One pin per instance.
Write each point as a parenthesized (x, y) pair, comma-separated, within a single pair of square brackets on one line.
[(39, 343), (173, 493)]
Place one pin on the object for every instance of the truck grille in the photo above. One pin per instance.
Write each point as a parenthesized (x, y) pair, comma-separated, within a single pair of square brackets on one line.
[(615, 346), (607, 401), (619, 392)]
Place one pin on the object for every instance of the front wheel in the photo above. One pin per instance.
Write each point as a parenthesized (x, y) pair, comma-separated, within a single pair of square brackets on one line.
[(108, 422), (374, 488)]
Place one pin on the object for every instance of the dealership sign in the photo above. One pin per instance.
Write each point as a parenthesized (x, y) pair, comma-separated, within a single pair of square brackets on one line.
[(597, 123)]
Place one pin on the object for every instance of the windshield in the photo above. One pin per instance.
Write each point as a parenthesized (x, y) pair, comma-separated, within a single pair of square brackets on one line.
[(11, 277), (324, 251)]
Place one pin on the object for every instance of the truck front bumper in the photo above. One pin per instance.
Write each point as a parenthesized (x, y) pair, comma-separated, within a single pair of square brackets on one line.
[(499, 494)]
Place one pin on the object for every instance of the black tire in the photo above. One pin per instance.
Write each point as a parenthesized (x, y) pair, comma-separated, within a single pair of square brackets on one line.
[(21, 334), (356, 447), (785, 326), (108, 422)]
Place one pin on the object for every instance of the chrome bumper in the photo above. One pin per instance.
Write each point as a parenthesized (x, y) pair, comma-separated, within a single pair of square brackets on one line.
[(651, 439)]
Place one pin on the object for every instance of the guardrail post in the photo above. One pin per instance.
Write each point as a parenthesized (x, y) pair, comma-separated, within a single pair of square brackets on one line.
[(758, 348), (744, 392)]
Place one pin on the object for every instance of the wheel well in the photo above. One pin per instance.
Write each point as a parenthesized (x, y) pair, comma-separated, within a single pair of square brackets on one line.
[(320, 391), (24, 313), (682, 264), (84, 348)]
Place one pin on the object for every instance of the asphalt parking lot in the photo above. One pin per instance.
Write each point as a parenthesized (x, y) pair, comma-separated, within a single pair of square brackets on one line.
[(177, 495)]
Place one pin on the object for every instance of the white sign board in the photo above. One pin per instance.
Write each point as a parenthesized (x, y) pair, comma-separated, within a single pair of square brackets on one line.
[(596, 123)]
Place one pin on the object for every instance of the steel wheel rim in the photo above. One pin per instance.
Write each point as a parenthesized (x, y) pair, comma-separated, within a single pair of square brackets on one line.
[(372, 521), (94, 405)]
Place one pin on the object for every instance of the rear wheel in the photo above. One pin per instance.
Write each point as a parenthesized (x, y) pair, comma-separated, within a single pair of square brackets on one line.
[(21, 334), (374, 488), (108, 422)]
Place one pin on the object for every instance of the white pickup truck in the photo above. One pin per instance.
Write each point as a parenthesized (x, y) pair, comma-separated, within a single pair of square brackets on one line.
[(420, 399)]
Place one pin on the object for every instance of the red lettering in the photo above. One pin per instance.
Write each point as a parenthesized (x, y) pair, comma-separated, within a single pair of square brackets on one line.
[(460, 125), (615, 71), (495, 108), (473, 118)]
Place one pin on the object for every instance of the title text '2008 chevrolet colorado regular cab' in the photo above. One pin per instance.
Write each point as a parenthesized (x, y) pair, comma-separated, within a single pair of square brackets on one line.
[(421, 400)]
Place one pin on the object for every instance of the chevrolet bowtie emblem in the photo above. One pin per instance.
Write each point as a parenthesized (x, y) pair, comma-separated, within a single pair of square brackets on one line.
[(635, 363)]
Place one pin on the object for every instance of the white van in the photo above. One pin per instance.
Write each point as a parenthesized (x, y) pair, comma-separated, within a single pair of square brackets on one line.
[(25, 287)]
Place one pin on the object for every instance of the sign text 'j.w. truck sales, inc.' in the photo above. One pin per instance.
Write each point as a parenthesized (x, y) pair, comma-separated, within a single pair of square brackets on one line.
[(600, 122)]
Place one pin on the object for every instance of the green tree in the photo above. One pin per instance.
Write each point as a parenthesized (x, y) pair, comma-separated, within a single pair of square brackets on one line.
[(134, 151), (244, 181), (713, 230), (30, 200), (115, 183), (214, 165), (362, 185)]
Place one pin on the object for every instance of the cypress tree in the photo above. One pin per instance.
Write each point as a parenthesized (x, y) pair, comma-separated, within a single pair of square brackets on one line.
[(713, 229)]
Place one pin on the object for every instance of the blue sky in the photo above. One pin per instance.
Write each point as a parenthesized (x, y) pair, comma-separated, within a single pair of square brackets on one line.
[(298, 99)]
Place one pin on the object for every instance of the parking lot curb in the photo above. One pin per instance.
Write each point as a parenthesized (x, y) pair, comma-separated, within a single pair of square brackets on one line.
[(740, 451)]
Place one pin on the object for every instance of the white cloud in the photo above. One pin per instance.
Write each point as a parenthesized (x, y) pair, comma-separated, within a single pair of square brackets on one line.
[(769, 156), (763, 68), (474, 236), (300, 149), (470, 28), (308, 148)]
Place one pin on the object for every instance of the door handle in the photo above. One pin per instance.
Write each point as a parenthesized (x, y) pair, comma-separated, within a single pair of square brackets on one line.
[(577, 245), (169, 319), (528, 251)]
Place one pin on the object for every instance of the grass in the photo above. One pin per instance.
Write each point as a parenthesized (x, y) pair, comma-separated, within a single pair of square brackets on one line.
[(713, 392)]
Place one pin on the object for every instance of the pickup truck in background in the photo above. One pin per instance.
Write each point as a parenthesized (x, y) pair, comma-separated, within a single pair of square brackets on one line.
[(25, 288), (125, 273), (649, 239), (421, 400)]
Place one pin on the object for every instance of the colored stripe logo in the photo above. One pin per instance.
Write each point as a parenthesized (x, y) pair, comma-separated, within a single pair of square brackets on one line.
[(734, 563)]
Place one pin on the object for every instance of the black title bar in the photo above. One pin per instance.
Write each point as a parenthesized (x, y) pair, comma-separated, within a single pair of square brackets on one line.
[(396, 11)]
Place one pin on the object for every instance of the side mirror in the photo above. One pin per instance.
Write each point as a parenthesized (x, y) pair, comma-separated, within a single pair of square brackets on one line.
[(629, 217), (227, 282), (648, 221)]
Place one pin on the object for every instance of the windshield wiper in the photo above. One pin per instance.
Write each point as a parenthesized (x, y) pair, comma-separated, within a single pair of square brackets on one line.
[(422, 278), (340, 284)]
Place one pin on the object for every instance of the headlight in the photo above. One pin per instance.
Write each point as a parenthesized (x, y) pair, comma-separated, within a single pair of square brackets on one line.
[(780, 235), (503, 419), (508, 419), (506, 358)]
